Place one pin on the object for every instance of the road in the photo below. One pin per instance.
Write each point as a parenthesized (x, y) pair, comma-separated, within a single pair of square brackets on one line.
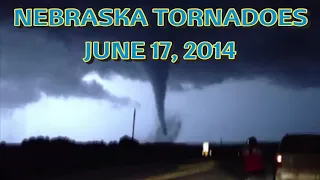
[(203, 173), (203, 170), (212, 170), (210, 175), (208, 169)]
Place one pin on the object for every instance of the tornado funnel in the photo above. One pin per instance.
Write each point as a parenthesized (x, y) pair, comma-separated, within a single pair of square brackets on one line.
[(158, 72)]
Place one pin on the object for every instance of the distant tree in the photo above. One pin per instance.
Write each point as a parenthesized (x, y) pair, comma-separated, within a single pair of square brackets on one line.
[(128, 141)]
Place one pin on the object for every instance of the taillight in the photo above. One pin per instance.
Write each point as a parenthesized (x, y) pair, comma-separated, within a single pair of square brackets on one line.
[(279, 158)]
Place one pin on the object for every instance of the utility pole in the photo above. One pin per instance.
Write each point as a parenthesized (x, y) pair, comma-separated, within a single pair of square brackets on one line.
[(133, 123)]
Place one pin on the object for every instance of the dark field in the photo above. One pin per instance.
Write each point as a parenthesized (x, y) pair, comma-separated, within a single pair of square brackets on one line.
[(44, 158)]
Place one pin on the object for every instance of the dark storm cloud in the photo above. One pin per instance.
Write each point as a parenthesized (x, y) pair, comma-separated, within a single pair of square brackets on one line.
[(32, 63), (49, 60)]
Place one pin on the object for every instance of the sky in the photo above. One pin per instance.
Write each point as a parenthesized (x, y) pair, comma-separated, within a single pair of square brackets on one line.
[(271, 89)]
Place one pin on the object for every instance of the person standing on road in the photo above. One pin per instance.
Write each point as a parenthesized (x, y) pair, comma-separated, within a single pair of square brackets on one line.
[(253, 159)]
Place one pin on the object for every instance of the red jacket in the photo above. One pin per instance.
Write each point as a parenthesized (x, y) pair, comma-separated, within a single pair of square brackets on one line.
[(253, 161)]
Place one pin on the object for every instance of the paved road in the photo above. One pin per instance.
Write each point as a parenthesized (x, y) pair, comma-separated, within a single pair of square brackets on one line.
[(218, 175), (199, 170), (205, 170), (212, 174)]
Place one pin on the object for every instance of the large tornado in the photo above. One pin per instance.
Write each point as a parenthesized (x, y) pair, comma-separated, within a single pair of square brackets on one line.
[(158, 72)]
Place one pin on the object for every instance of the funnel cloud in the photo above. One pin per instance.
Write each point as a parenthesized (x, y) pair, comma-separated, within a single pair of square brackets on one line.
[(174, 125), (158, 73)]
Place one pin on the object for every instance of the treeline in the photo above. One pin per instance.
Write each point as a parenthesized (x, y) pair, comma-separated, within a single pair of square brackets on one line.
[(44, 156)]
